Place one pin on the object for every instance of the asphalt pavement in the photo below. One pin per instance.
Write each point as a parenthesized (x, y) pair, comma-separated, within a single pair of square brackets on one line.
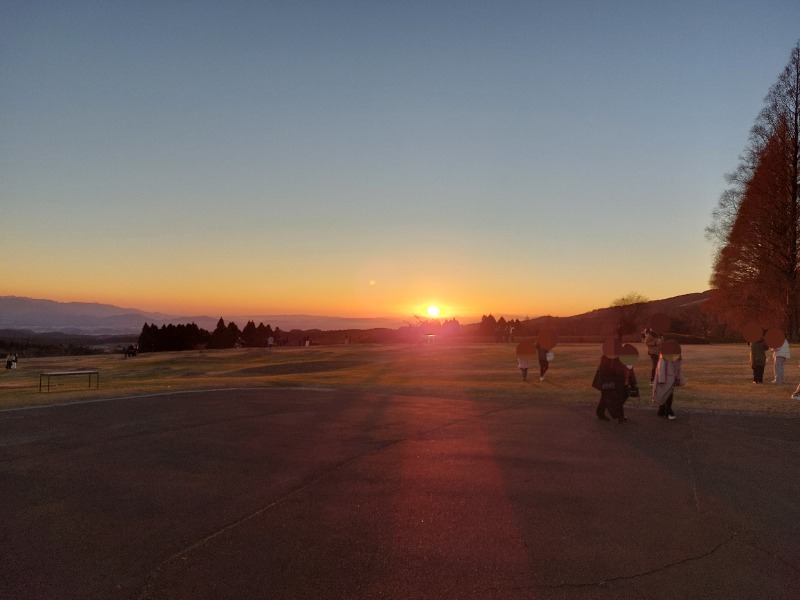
[(301, 494)]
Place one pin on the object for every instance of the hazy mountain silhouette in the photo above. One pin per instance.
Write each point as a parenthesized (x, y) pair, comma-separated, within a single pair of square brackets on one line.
[(85, 317), (92, 318)]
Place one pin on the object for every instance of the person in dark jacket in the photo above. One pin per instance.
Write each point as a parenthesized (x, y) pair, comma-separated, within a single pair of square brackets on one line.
[(612, 379), (653, 342), (544, 362), (758, 359)]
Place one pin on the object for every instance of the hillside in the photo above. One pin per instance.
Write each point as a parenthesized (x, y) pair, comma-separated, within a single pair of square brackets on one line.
[(684, 310)]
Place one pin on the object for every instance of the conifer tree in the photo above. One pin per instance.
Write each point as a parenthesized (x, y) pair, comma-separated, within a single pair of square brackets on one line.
[(755, 224)]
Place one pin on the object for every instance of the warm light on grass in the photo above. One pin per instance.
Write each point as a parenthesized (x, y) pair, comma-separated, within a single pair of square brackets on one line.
[(718, 376)]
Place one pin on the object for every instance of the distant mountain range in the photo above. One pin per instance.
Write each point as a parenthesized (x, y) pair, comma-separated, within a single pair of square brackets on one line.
[(104, 319), (40, 316)]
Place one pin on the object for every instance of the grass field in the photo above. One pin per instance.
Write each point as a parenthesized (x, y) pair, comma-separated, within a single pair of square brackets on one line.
[(719, 376)]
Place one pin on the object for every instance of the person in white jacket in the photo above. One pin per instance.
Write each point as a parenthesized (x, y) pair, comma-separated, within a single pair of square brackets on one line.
[(779, 356), (669, 375)]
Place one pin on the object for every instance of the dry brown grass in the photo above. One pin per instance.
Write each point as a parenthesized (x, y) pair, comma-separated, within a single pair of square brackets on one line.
[(719, 377)]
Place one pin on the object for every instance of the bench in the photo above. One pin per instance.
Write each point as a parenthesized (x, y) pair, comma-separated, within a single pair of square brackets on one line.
[(89, 372)]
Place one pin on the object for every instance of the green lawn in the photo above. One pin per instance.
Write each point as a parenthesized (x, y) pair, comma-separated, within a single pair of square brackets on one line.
[(719, 376)]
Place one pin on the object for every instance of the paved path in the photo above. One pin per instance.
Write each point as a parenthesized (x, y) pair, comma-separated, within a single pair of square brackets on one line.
[(295, 494)]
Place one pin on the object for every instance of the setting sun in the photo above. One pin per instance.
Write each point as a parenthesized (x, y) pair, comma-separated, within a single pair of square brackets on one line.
[(433, 311)]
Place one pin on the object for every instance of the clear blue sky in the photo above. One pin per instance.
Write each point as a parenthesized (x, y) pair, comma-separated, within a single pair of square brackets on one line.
[(371, 158)]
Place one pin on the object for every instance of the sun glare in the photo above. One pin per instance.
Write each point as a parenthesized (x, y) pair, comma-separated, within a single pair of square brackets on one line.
[(433, 311)]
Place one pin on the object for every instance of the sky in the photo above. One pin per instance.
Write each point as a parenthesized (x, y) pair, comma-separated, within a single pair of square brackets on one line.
[(373, 158)]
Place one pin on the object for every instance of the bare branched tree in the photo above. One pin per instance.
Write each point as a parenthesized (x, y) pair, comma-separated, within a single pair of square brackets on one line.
[(630, 311)]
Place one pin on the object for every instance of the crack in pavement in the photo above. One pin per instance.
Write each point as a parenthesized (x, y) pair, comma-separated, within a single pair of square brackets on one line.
[(152, 578)]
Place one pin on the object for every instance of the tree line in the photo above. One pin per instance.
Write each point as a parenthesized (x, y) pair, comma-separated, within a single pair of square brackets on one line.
[(190, 337), (755, 225)]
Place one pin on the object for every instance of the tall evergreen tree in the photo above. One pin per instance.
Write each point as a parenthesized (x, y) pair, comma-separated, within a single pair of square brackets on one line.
[(262, 335), (148, 338), (488, 325), (219, 337), (756, 273), (250, 335)]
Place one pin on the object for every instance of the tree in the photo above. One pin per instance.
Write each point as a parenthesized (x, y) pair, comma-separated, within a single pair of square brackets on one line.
[(756, 272), (224, 336), (488, 325), (451, 328), (233, 335), (148, 338), (262, 335), (250, 335), (501, 331), (630, 310)]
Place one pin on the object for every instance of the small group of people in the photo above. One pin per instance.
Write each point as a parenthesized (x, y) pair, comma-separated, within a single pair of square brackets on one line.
[(780, 354), (616, 380), (543, 355), (758, 360), (11, 361)]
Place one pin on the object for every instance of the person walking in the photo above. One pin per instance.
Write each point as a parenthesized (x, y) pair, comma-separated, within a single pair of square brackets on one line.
[(669, 375), (779, 356), (611, 379), (544, 356), (653, 342), (524, 365), (758, 359)]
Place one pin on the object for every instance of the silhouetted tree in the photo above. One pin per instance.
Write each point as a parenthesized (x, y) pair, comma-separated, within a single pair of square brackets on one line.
[(630, 312), (755, 224), (224, 336), (262, 335), (148, 338), (451, 328), (234, 335), (488, 325), (250, 335), (171, 337)]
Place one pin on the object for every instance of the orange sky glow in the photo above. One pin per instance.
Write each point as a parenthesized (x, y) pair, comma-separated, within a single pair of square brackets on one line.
[(373, 162)]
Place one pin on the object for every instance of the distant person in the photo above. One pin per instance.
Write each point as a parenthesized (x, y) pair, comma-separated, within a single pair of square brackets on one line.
[(524, 365), (669, 375), (270, 342), (653, 341), (611, 379), (544, 356), (9, 361), (779, 356), (758, 359)]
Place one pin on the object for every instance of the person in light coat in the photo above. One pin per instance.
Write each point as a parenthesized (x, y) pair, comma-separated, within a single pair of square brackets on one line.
[(524, 364), (779, 356), (669, 375)]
